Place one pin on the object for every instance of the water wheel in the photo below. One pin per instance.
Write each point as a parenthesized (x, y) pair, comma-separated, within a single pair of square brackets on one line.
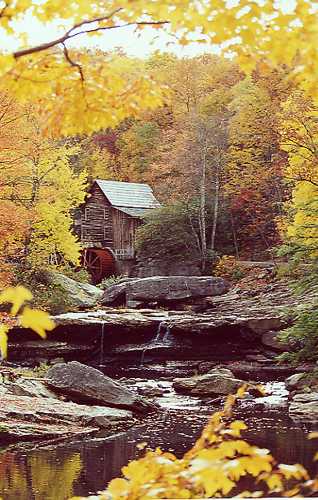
[(100, 263)]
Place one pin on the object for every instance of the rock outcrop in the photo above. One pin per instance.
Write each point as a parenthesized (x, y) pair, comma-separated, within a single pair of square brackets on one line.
[(163, 290), (151, 266), (81, 295), (30, 418), (86, 384)]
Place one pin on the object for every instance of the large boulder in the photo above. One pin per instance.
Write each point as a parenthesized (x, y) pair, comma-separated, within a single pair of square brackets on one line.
[(86, 384), (164, 290), (304, 407), (30, 418), (82, 295), (217, 381)]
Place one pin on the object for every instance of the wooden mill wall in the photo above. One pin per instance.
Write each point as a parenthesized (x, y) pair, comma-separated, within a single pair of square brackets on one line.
[(96, 221), (124, 232)]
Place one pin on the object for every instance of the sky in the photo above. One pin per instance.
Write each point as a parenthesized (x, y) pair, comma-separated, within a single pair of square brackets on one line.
[(141, 45)]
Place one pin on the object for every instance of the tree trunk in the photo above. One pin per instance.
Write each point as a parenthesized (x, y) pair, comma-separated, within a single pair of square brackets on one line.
[(202, 210), (216, 206), (237, 254)]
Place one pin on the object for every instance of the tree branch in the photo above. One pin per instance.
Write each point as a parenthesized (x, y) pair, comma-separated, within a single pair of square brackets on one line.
[(73, 63), (70, 33)]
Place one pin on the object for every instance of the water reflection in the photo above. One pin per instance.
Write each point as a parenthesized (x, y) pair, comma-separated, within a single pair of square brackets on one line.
[(38, 475), (32, 472)]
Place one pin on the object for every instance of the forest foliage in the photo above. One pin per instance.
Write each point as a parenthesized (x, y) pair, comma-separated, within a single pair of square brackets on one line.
[(229, 144)]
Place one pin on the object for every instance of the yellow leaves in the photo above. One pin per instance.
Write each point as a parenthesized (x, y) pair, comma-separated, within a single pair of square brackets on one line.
[(274, 482), (237, 426), (38, 321), (16, 296), (118, 487), (7, 62), (296, 471), (4, 340)]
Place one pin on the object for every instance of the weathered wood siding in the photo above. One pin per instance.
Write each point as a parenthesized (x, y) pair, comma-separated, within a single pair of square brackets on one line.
[(124, 232), (96, 221)]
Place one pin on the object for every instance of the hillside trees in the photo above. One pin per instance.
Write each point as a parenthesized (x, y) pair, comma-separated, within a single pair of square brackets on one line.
[(222, 154), (254, 186)]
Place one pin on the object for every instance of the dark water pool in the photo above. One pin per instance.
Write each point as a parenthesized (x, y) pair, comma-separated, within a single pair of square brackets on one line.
[(57, 472)]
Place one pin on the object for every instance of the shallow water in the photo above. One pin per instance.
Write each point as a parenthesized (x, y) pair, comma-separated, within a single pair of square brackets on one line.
[(56, 472)]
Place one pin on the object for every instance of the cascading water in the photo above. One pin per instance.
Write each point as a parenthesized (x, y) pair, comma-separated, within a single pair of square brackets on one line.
[(161, 338)]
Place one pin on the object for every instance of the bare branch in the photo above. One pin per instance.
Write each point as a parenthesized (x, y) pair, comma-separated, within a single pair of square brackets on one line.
[(73, 63)]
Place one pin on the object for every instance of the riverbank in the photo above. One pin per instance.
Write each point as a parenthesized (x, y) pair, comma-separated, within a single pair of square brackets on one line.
[(182, 362)]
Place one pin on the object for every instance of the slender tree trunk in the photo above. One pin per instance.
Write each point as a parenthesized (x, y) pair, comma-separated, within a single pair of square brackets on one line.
[(216, 204), (202, 210), (237, 254)]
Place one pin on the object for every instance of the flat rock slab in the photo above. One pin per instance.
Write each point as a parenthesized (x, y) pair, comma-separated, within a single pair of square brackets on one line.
[(29, 418), (164, 289), (113, 318), (84, 383)]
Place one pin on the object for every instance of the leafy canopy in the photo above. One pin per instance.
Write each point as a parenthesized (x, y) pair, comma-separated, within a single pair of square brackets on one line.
[(102, 90)]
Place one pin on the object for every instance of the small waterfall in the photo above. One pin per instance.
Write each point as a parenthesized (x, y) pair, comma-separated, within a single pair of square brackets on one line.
[(161, 338)]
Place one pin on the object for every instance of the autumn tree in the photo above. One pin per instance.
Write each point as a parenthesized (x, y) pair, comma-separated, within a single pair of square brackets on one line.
[(39, 185), (299, 136)]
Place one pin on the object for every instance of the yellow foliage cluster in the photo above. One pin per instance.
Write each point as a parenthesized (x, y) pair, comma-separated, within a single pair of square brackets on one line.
[(299, 135), (36, 320), (228, 267), (216, 467), (72, 84), (304, 226)]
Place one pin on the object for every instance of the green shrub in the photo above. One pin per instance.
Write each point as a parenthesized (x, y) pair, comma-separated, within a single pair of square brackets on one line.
[(111, 280), (303, 335), (47, 296)]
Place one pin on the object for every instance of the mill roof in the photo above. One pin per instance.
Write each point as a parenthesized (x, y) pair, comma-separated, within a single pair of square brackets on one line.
[(132, 198)]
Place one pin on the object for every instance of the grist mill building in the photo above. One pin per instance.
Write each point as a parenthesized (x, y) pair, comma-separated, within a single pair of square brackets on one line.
[(106, 225)]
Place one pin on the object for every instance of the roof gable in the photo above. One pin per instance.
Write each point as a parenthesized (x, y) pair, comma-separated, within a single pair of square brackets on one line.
[(128, 194)]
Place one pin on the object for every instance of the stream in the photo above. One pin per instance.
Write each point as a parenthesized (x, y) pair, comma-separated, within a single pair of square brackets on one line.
[(46, 471)]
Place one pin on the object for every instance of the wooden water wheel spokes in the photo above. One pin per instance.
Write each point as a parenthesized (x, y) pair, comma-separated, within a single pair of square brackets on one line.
[(99, 263)]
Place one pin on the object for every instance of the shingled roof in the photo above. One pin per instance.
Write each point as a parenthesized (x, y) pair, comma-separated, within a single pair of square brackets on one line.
[(134, 199)]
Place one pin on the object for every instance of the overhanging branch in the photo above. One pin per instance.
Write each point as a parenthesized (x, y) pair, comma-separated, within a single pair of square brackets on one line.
[(72, 33)]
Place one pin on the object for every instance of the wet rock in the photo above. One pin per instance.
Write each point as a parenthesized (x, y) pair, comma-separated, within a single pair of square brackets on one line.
[(208, 384), (295, 381), (206, 366), (304, 407), (219, 370), (164, 289), (84, 383), (152, 392), (270, 339), (29, 418), (31, 388), (44, 350), (126, 319)]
